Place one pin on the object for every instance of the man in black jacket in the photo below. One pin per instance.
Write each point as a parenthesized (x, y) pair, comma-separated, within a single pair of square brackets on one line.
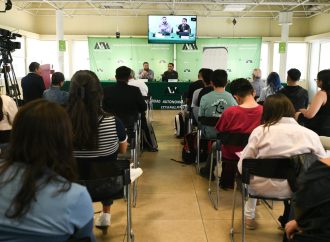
[(33, 85), (123, 100), (297, 95), (170, 73)]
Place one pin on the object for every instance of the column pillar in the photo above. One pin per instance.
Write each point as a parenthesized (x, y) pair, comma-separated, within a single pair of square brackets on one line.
[(285, 20), (59, 36)]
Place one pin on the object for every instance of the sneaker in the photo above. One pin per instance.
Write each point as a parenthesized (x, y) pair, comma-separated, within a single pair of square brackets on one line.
[(250, 224), (103, 220), (135, 173)]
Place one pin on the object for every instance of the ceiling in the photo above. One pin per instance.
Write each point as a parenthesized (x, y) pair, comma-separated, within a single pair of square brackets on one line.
[(209, 8)]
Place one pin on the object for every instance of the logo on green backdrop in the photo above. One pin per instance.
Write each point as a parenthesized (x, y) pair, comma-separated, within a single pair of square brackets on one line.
[(102, 46)]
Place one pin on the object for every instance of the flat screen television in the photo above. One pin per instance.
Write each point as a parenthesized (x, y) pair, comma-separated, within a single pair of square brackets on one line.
[(170, 29)]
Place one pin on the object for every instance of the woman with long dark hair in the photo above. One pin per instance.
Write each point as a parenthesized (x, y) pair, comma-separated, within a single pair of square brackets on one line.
[(317, 116), (279, 136), (98, 136), (39, 201)]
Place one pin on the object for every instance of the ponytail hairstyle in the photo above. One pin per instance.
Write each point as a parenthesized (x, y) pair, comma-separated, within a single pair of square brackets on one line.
[(84, 108)]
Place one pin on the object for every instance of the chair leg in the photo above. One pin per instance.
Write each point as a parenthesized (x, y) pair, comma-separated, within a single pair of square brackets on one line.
[(244, 191), (129, 231), (233, 213), (199, 132), (214, 201)]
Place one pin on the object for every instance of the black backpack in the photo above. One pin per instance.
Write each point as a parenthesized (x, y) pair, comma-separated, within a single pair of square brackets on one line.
[(189, 149)]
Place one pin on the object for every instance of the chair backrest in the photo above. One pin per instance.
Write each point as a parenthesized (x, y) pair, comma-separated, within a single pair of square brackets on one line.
[(103, 179), (231, 138), (208, 121), (277, 168)]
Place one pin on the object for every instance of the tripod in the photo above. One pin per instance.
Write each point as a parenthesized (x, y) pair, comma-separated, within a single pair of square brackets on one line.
[(6, 63)]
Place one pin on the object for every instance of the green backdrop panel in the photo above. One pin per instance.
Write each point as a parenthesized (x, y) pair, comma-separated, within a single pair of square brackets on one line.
[(106, 54), (243, 56)]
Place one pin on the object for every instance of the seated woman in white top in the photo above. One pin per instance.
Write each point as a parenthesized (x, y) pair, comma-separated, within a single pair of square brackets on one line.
[(8, 110), (39, 201), (279, 136)]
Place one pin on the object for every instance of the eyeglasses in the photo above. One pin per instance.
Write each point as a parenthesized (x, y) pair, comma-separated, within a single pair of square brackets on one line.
[(316, 79)]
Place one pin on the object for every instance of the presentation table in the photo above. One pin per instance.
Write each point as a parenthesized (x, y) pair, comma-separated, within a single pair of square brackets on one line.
[(164, 95)]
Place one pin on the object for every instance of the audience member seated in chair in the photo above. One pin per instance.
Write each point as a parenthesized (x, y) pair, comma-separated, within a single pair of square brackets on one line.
[(124, 101), (206, 75), (54, 93), (39, 201), (8, 110), (279, 136), (317, 116), (297, 95), (193, 87), (312, 205), (273, 86), (97, 134), (241, 119), (213, 105)]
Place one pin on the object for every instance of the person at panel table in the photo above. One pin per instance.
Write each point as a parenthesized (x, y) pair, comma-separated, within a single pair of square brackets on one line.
[(183, 28), (170, 73), (146, 73), (164, 27)]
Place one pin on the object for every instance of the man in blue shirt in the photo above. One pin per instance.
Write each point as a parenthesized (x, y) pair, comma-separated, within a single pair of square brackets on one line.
[(54, 93)]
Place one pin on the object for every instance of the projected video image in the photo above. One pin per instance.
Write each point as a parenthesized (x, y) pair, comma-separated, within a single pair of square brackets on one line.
[(172, 29)]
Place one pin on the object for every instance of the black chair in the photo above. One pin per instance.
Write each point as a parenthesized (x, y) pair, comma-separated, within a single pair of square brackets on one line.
[(224, 138), (276, 168), (203, 122), (107, 180), (134, 139)]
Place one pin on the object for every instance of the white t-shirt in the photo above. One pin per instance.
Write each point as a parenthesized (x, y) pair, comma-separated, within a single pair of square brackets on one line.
[(141, 85)]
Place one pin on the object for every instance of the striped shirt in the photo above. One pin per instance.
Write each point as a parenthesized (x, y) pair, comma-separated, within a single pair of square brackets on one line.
[(111, 132)]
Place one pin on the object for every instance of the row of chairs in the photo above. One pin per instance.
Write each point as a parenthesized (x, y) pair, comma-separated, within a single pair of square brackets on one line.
[(284, 168)]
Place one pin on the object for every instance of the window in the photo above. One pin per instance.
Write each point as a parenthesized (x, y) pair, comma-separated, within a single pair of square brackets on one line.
[(325, 56), (19, 59), (296, 58), (80, 56), (264, 55)]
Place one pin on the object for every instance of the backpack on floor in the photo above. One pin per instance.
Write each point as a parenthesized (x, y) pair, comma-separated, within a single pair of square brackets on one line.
[(189, 149), (149, 138), (179, 125)]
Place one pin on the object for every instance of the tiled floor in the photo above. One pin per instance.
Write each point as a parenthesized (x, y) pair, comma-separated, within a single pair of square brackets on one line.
[(173, 205)]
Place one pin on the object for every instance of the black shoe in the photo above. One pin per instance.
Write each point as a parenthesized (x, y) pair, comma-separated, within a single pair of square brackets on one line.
[(282, 221), (205, 172)]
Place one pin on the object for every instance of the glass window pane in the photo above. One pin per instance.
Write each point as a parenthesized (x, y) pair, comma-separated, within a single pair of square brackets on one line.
[(296, 58), (264, 60), (80, 56), (325, 56)]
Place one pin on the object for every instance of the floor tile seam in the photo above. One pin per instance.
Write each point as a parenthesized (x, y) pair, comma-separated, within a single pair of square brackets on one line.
[(199, 206)]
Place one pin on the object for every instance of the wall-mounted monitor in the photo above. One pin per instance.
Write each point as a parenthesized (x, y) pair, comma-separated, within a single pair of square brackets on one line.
[(170, 29)]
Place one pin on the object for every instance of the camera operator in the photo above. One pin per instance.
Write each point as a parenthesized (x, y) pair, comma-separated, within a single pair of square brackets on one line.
[(33, 85)]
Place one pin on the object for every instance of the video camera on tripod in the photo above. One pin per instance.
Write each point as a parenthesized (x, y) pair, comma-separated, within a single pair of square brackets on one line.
[(6, 62)]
